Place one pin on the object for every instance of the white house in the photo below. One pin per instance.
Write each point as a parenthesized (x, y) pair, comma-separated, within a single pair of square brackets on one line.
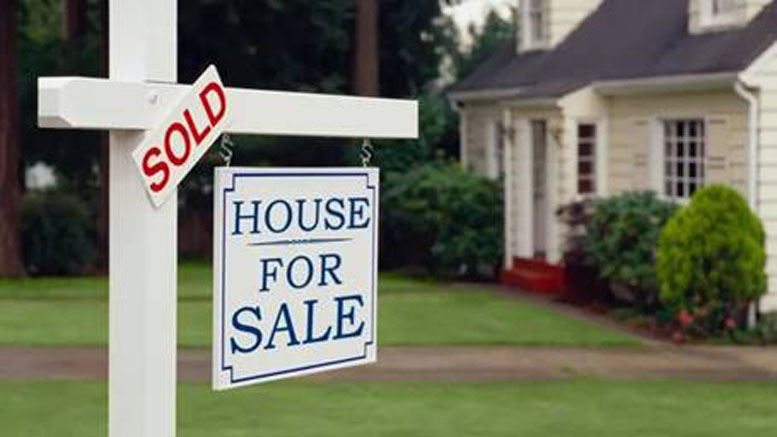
[(603, 96)]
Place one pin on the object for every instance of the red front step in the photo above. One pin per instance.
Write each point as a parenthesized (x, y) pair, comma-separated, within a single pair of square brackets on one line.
[(534, 275)]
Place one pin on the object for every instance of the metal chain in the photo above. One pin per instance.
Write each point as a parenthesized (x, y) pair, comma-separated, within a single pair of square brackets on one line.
[(226, 149), (367, 151)]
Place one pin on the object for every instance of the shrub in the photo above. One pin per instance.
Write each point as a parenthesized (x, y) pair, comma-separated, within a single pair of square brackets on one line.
[(711, 261), (621, 238), (583, 281), (56, 234), (443, 218)]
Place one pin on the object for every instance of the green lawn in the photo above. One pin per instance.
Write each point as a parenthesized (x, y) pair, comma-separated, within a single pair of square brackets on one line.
[(411, 312), (303, 408)]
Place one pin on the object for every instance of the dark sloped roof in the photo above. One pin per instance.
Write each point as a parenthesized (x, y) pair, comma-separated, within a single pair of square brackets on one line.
[(625, 39)]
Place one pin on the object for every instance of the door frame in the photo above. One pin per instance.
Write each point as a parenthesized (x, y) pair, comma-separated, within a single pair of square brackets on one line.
[(532, 231)]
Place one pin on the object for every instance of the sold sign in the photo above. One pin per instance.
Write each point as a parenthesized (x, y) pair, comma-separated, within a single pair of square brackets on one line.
[(189, 130)]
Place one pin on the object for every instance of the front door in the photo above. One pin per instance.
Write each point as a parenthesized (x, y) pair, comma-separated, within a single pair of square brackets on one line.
[(539, 139)]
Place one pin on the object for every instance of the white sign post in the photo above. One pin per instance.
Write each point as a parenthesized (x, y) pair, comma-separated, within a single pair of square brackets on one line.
[(140, 92), (295, 272)]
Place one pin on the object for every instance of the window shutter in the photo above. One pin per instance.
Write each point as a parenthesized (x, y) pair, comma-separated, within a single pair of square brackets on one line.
[(718, 139), (642, 144)]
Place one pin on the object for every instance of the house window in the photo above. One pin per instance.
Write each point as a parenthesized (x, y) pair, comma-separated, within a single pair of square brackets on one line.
[(724, 7), (684, 150), (534, 19), (586, 158), (720, 12)]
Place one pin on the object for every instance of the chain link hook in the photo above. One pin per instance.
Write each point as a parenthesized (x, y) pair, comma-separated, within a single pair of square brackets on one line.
[(226, 149), (367, 151)]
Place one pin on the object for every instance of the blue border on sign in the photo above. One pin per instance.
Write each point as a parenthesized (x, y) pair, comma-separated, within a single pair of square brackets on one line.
[(231, 188)]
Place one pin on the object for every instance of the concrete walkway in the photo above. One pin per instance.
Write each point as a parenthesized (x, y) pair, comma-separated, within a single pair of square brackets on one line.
[(448, 364)]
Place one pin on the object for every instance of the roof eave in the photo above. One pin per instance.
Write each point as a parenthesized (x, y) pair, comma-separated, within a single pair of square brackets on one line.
[(485, 94), (661, 84)]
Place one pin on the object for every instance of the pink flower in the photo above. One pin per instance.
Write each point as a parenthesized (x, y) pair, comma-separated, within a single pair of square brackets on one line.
[(686, 318), (731, 323)]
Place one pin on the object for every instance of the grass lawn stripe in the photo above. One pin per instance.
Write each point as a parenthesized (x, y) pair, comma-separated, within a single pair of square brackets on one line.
[(411, 313), (302, 408)]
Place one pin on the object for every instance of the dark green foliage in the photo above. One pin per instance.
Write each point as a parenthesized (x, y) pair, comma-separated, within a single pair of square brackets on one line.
[(494, 35), (442, 217), (43, 52), (711, 260), (56, 233), (436, 119), (621, 237)]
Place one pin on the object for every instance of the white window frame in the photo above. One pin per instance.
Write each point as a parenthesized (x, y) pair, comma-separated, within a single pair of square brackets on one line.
[(662, 160), (529, 41), (711, 18)]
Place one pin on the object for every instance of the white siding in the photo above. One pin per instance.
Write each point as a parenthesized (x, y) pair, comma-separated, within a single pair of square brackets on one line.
[(635, 137), (478, 120), (566, 15), (765, 78)]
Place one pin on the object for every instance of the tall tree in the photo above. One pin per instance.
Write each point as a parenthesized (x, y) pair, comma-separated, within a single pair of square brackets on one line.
[(74, 20), (496, 33), (10, 254), (103, 209), (366, 70)]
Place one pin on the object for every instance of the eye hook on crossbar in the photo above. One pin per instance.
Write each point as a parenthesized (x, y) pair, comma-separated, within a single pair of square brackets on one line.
[(367, 151)]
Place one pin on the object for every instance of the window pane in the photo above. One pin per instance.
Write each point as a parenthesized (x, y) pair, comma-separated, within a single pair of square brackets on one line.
[(684, 145), (586, 131), (586, 155), (585, 186)]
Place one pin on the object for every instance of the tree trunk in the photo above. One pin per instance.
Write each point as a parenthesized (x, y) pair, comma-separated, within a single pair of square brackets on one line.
[(104, 169), (366, 73), (10, 186), (74, 19)]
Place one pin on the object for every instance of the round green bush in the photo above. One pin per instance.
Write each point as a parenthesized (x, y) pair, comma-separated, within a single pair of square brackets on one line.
[(711, 257), (56, 233)]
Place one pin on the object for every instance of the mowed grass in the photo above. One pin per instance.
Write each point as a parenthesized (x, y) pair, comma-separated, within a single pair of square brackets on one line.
[(411, 312), (304, 408)]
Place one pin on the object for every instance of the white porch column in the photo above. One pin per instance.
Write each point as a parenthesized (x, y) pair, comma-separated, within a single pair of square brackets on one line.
[(508, 139), (524, 183), (143, 240)]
